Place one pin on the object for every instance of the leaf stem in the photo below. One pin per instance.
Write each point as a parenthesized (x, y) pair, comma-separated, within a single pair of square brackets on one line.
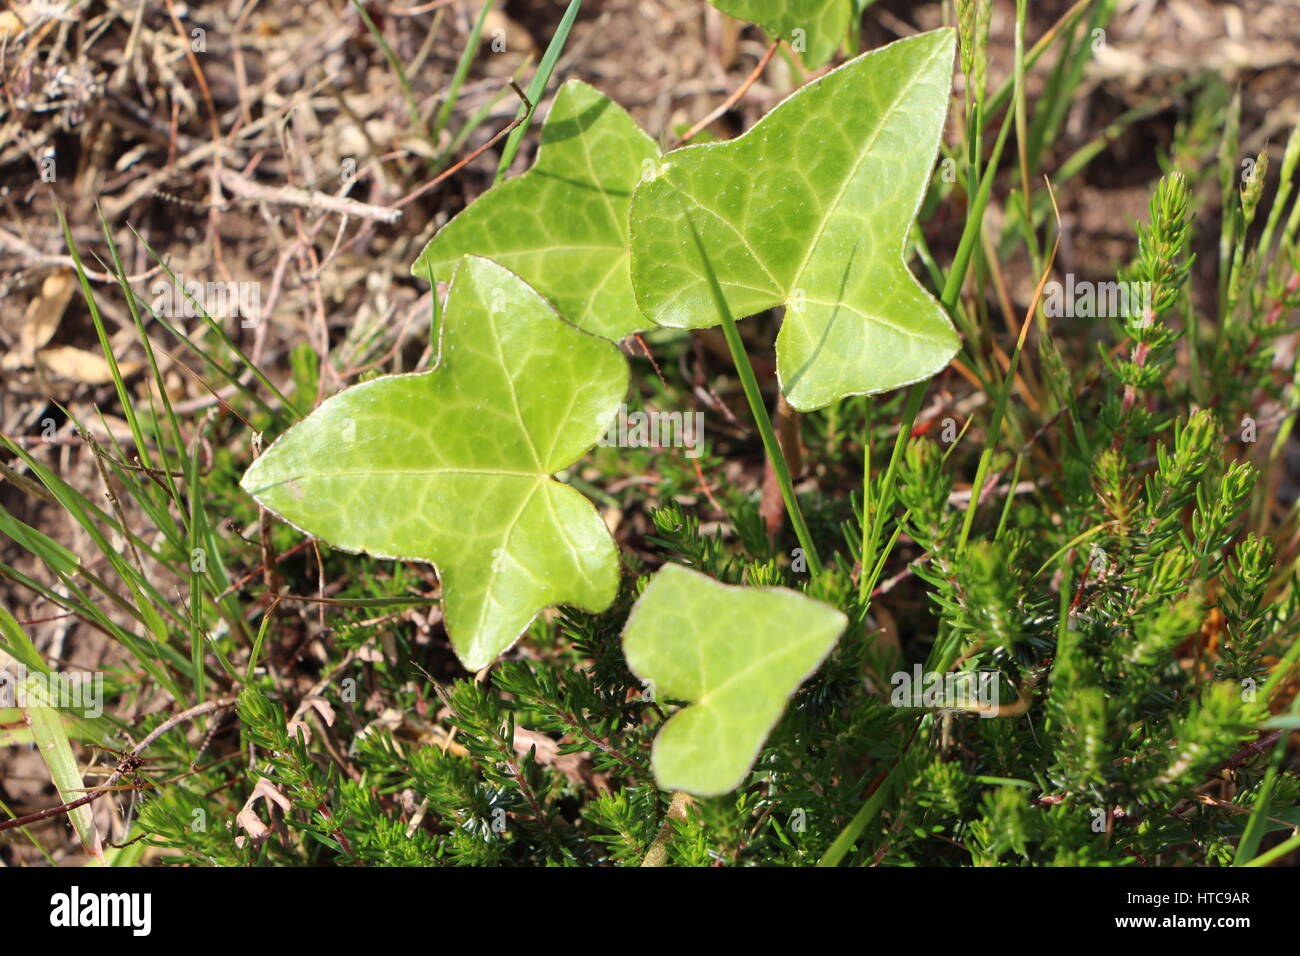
[(657, 855), (877, 514), (849, 835), (754, 396)]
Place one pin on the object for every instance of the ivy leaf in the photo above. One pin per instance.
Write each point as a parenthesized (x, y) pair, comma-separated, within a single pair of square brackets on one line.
[(811, 209), (737, 653), (814, 28), (453, 466), (562, 226)]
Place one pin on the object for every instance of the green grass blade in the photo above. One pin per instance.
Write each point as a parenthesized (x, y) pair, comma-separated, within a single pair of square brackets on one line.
[(537, 88), (50, 737), (417, 120), (462, 71), (215, 326)]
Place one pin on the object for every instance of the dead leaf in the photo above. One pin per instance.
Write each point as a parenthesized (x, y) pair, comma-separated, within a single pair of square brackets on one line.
[(322, 707), (45, 312), (612, 517), (247, 818), (10, 25), (506, 35), (79, 365), (574, 765), (370, 654)]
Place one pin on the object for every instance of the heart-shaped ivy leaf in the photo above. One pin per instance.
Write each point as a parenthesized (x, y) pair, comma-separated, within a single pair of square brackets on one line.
[(562, 226), (737, 653), (811, 209), (814, 28), (453, 466)]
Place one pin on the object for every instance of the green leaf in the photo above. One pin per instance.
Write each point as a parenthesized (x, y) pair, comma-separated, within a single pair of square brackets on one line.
[(1284, 722), (15, 642), (45, 723), (813, 28), (58, 558), (737, 653), (562, 226), (453, 466), (811, 209)]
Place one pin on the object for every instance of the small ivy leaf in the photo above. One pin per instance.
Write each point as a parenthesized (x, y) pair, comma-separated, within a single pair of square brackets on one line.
[(738, 654), (813, 28), (811, 209), (562, 226), (453, 466)]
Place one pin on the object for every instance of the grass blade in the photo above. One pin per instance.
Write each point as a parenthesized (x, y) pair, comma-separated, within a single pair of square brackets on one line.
[(50, 737), (537, 88)]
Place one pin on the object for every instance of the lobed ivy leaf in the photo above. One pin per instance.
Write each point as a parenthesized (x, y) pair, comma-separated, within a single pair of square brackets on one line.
[(811, 209), (814, 28), (453, 466), (562, 226), (737, 653)]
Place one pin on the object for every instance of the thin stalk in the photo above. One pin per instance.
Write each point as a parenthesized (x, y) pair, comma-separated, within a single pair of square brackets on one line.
[(537, 87), (1021, 110), (458, 78), (999, 412), (1279, 851), (915, 396), (974, 219), (407, 93), (948, 298), (1068, 19), (757, 408), (849, 835)]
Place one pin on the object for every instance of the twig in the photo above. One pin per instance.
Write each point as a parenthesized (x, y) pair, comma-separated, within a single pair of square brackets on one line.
[(657, 855), (123, 764), (293, 196), (731, 100), (36, 255), (505, 130)]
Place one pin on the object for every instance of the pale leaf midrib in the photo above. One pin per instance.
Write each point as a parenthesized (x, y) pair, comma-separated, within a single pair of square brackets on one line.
[(401, 473)]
